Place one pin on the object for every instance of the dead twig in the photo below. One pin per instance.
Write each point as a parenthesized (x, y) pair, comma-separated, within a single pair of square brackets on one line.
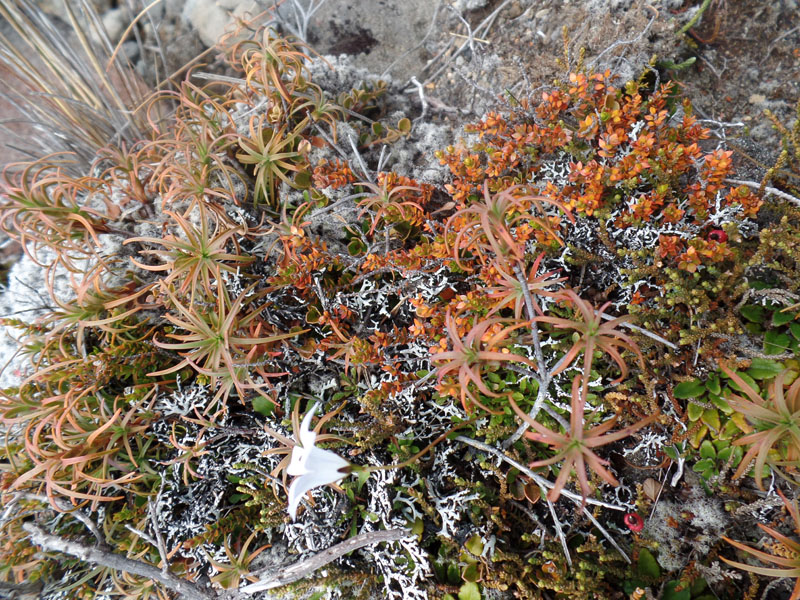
[(104, 558), (303, 568), (768, 189)]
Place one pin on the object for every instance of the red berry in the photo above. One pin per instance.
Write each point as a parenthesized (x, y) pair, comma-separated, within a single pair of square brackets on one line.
[(717, 235), (634, 522)]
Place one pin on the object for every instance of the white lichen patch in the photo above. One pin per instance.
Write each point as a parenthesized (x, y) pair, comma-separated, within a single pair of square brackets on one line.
[(403, 565)]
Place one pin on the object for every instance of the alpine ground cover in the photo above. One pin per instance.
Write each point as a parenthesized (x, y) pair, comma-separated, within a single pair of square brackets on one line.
[(256, 254)]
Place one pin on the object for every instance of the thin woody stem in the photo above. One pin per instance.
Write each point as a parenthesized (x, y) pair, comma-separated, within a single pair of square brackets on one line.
[(54, 543), (77, 513), (303, 568), (559, 532), (537, 479), (546, 483), (543, 376), (526, 294)]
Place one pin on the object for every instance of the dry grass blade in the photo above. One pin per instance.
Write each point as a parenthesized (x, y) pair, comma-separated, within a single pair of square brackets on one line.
[(786, 553), (61, 88)]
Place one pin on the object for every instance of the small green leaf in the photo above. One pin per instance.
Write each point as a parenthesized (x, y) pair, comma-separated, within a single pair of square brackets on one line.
[(775, 342), (781, 318), (672, 452), (355, 247), (698, 586), (263, 406), (720, 445), (453, 574), (418, 527), (713, 386), (363, 475), (404, 125), (698, 436), (754, 328), (647, 565), (312, 314), (673, 66), (764, 368), (703, 465), (303, 179), (695, 411), (795, 329), (707, 450), (671, 594), (469, 591), (689, 389), (752, 313), (471, 573), (721, 404), (711, 418), (475, 545)]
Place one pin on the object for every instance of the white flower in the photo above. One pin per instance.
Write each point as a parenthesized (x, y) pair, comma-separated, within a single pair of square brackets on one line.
[(312, 466)]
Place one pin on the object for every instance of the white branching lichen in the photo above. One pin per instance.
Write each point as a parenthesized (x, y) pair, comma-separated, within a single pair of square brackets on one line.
[(403, 565)]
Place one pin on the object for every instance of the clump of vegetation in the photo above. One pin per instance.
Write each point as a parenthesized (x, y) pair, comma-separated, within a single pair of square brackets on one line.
[(565, 303)]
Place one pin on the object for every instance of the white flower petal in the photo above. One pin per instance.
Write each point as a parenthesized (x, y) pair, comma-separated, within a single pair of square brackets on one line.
[(301, 485), (311, 466), (297, 465), (297, 490), (306, 435), (325, 461)]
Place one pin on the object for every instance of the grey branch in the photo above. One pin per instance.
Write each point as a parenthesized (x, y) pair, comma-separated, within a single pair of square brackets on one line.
[(13, 591), (767, 189), (537, 479), (54, 543), (64, 506), (304, 568), (547, 484)]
